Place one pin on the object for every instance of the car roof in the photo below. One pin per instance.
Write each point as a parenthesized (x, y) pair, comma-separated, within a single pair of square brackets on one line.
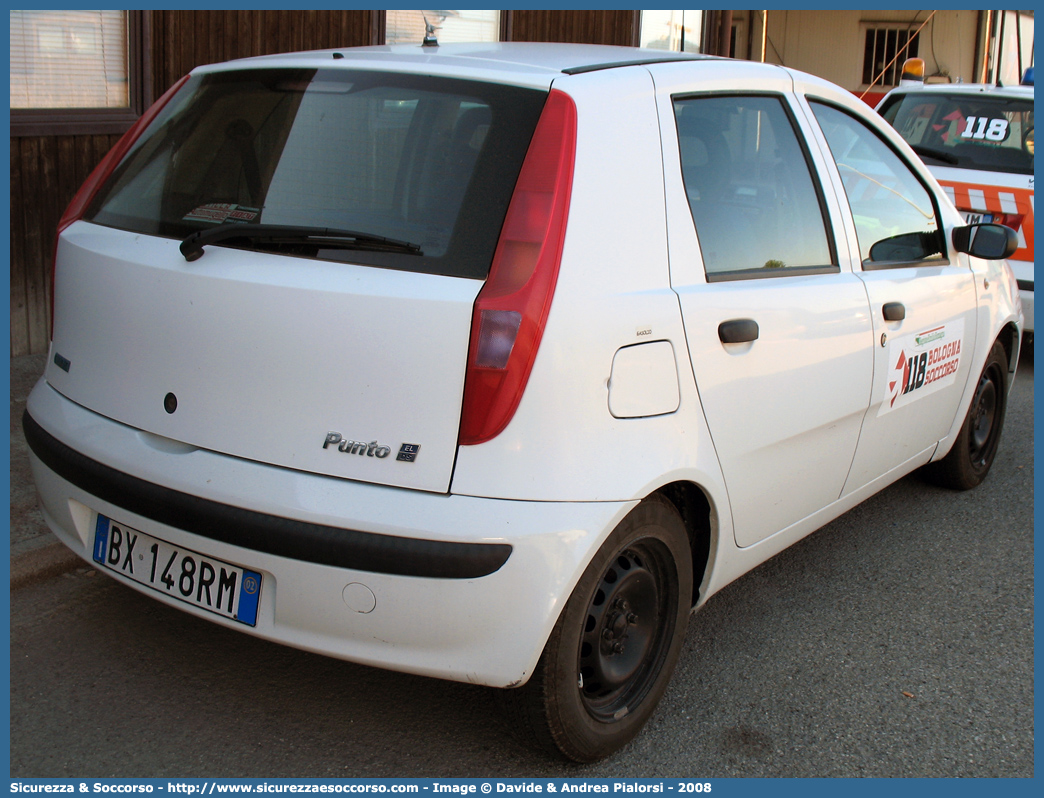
[(1021, 92), (530, 63)]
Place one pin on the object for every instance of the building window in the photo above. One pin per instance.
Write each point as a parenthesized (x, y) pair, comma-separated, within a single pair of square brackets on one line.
[(885, 50), (1014, 46), (76, 71), (408, 27), (678, 31), (69, 59)]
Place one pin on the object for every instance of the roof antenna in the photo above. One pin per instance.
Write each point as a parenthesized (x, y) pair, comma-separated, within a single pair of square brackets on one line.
[(429, 34)]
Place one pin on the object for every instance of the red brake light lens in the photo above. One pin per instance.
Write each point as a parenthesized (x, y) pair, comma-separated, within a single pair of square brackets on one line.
[(102, 171), (512, 308)]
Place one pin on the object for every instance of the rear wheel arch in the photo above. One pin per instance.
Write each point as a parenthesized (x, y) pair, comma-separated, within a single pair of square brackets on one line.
[(1008, 337), (694, 506), (614, 646), (971, 455)]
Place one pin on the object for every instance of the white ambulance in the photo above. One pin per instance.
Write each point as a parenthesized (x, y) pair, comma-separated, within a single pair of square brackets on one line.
[(977, 140)]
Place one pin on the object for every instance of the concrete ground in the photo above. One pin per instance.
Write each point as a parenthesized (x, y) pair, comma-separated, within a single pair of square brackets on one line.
[(896, 641)]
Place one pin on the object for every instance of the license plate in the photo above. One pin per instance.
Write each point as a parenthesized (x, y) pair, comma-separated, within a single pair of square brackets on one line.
[(205, 582), (977, 218)]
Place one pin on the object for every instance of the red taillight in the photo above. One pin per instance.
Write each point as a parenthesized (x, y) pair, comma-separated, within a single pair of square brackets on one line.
[(511, 310), (101, 173)]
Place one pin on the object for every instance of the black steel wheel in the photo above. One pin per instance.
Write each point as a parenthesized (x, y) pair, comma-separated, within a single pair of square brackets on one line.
[(612, 652), (624, 636), (968, 462)]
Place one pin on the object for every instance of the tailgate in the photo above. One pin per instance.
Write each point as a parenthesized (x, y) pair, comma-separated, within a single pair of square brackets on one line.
[(339, 369)]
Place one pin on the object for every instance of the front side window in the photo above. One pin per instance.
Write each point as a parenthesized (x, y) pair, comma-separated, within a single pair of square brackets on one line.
[(426, 161), (965, 130), (894, 215), (756, 208)]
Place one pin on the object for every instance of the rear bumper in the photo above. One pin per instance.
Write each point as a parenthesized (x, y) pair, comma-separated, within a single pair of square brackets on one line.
[(462, 588)]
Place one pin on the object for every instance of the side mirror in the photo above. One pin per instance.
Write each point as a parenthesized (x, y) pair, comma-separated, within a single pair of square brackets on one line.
[(988, 241)]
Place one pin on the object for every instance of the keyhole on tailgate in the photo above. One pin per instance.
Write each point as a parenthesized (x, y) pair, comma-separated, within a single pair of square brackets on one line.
[(170, 403)]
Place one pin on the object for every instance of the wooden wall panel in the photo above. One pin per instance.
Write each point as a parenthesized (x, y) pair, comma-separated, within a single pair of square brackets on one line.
[(19, 317), (182, 40), (46, 171), (581, 27)]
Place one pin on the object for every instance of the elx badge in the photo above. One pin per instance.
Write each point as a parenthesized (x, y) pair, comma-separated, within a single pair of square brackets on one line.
[(408, 452)]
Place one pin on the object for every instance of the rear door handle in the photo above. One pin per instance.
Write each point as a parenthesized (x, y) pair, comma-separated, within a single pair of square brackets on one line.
[(738, 331), (893, 311)]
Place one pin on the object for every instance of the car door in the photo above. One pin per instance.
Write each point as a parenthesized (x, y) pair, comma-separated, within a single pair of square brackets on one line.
[(777, 324), (922, 299)]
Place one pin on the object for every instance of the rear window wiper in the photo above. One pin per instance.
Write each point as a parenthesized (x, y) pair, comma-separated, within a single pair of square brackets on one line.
[(328, 237), (938, 155)]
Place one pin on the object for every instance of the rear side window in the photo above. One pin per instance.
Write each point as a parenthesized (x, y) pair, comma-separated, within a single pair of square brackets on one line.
[(969, 131), (756, 207), (413, 158)]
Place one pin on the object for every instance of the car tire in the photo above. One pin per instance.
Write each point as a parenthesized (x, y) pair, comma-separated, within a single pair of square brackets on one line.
[(968, 462), (612, 652)]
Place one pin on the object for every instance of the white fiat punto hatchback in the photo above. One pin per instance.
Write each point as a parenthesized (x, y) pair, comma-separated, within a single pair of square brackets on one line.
[(493, 362)]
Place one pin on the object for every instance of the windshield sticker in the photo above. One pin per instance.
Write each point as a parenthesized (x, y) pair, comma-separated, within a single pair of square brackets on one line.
[(220, 212), (980, 127), (921, 364)]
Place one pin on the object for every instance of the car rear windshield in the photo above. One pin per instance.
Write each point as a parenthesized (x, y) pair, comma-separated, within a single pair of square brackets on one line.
[(969, 131), (419, 159)]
